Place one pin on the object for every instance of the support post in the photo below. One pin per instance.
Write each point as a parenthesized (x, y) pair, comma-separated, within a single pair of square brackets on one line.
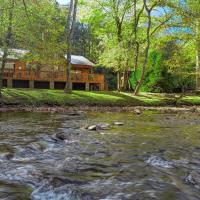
[(9, 83), (52, 85), (31, 84), (71, 85), (102, 87), (87, 86)]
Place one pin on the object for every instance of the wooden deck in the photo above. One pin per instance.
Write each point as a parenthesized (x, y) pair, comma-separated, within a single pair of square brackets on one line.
[(56, 76)]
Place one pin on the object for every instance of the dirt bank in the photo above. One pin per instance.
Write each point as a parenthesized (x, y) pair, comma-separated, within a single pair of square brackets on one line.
[(136, 109)]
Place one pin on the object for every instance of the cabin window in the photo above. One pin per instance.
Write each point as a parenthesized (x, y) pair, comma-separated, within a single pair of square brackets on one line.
[(28, 66), (31, 66), (19, 66), (9, 65), (76, 71), (56, 68), (61, 68), (76, 74)]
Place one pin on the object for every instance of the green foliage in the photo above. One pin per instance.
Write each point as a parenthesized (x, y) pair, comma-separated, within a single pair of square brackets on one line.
[(6, 8), (84, 42), (105, 34), (37, 27), (153, 74), (132, 80), (173, 47), (44, 36), (110, 76)]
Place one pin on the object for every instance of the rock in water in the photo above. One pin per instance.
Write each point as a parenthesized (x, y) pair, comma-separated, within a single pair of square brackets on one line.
[(9, 156), (92, 128), (137, 111), (61, 136), (101, 126), (159, 162), (48, 192), (194, 179), (118, 123)]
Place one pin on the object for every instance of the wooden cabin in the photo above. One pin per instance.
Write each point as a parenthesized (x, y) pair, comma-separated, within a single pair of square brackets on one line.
[(18, 74)]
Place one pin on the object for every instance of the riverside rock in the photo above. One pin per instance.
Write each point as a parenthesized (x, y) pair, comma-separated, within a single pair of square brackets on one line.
[(137, 111)]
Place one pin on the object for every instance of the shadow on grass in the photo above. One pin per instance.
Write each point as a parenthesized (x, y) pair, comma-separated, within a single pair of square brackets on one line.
[(109, 98), (21, 96), (58, 97)]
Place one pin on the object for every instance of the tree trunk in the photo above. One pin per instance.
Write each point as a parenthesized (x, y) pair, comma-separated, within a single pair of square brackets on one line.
[(122, 81), (4, 58), (197, 53), (118, 24), (118, 81), (68, 87), (6, 45), (71, 19), (136, 44), (146, 54), (135, 31), (125, 80)]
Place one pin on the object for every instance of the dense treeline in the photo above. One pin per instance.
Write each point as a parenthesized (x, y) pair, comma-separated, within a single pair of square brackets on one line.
[(152, 45), (141, 45)]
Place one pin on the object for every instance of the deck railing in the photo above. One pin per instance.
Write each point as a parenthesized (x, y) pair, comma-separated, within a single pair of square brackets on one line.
[(51, 76)]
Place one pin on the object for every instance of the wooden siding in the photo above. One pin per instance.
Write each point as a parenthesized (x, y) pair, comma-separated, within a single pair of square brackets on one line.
[(80, 74), (40, 75)]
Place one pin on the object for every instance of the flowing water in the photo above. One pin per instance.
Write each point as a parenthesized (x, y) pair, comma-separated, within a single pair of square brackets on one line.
[(151, 156)]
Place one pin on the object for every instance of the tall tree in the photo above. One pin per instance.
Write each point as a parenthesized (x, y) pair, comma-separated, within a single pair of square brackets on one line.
[(148, 10), (44, 23), (124, 33), (71, 19), (108, 19), (7, 20), (187, 14)]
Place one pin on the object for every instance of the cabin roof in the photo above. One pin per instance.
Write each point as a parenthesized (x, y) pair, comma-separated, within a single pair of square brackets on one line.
[(80, 60), (15, 54)]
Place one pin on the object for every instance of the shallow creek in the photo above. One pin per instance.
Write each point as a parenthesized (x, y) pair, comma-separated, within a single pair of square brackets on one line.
[(151, 156)]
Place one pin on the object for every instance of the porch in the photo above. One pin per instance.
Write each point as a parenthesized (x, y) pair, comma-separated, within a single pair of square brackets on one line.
[(52, 79)]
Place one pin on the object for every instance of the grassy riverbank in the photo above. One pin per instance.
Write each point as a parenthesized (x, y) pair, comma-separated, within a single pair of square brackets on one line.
[(26, 97)]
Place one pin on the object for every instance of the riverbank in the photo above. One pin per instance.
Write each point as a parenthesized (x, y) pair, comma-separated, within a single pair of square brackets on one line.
[(57, 99), (76, 110)]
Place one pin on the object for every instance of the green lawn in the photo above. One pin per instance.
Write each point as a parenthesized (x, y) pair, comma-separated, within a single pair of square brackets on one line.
[(58, 97), (190, 100)]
